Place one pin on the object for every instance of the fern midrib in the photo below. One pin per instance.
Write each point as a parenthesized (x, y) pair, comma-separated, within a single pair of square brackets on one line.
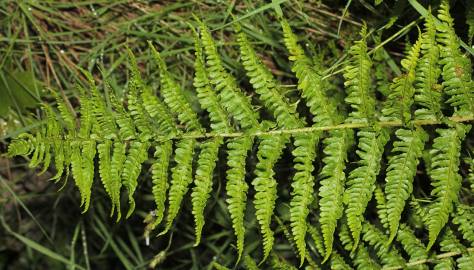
[(312, 129)]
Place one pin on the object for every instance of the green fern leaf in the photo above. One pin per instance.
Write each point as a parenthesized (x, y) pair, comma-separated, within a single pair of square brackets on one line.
[(309, 80), (400, 99), (82, 163), (428, 94), (302, 187), (266, 86), (207, 97), (265, 185), (381, 206), (174, 96), (203, 182), (116, 166), (464, 218), (457, 69), (357, 81), (338, 263), (236, 186), (181, 178), (363, 261), (446, 180), (137, 154), (250, 263), (400, 173), (332, 182), (159, 176), (361, 181), (411, 244), (158, 112), (389, 256), (232, 98)]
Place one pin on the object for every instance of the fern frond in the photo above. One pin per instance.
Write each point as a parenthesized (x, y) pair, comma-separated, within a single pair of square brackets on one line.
[(309, 80), (464, 218), (159, 177), (116, 167), (449, 243), (236, 186), (265, 185), (207, 97), (174, 96), (363, 261), (446, 180), (266, 86), (250, 263), (411, 244), (357, 75), (82, 163), (470, 175), (103, 150), (67, 116), (123, 119), (457, 69), (332, 182), (104, 119), (428, 91), (317, 238), (159, 112), (389, 256), (181, 178), (400, 99), (203, 181), (232, 98), (381, 206), (401, 170), (338, 263), (302, 187), (361, 181), (137, 154)]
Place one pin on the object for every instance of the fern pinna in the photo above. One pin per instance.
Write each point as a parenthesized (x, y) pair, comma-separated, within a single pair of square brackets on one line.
[(371, 150)]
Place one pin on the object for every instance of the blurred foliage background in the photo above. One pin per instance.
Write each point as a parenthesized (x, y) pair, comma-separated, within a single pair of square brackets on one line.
[(42, 45)]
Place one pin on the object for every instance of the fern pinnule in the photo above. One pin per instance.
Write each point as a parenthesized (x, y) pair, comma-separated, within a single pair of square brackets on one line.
[(137, 154), (174, 96), (363, 260), (357, 75), (381, 206), (181, 178), (389, 256), (302, 187), (135, 104), (159, 113), (123, 119), (361, 180), (332, 183), (266, 86), (400, 98), (401, 170), (411, 244), (237, 187), (235, 102), (309, 78), (116, 166), (103, 150), (457, 69), (445, 178), (104, 119), (269, 151), (206, 95), (464, 218), (159, 177), (428, 94), (450, 243), (203, 182), (338, 263)]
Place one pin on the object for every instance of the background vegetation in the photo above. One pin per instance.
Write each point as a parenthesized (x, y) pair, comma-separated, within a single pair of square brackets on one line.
[(42, 46)]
